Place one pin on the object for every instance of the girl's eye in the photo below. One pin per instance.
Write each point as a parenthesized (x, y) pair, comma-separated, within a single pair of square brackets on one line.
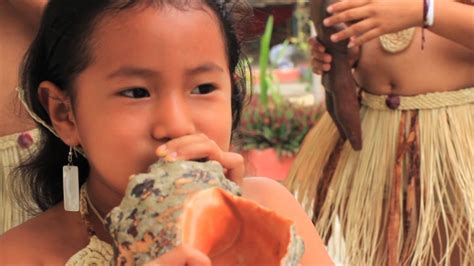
[(203, 89), (135, 93)]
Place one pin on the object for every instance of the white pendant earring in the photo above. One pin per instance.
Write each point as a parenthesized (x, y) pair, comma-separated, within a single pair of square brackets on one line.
[(71, 185)]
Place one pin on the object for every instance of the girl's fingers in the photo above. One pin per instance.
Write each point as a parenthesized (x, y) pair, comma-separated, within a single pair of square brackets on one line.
[(316, 45), (347, 16), (346, 4), (173, 146), (235, 165), (319, 66), (199, 146), (320, 56), (205, 149), (192, 147), (367, 36), (320, 61), (354, 30)]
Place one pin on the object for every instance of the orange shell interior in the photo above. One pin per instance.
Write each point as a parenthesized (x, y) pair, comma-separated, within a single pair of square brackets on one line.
[(233, 230)]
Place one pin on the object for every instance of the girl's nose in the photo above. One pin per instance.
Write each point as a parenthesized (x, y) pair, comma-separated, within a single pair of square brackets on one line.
[(173, 118)]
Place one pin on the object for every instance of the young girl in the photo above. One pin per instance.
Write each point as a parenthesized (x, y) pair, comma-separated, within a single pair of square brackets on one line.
[(117, 81), (407, 197)]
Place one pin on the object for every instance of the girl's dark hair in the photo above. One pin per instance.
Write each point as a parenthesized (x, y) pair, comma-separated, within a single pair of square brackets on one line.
[(61, 50)]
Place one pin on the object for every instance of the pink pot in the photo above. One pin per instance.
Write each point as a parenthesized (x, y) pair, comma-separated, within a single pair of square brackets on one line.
[(266, 163), (290, 75)]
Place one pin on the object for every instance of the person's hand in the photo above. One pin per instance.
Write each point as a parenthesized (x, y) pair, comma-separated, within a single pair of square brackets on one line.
[(181, 256), (321, 61), (372, 18), (200, 147)]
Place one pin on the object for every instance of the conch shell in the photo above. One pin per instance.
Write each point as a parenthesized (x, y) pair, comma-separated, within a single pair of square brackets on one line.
[(341, 91), (187, 202)]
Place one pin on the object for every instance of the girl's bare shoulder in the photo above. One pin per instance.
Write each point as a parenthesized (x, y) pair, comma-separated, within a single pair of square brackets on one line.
[(46, 238), (273, 195), (263, 190)]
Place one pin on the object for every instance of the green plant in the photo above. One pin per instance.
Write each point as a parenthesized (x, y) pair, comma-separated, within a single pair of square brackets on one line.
[(270, 121), (265, 81), (281, 126), (269, 87)]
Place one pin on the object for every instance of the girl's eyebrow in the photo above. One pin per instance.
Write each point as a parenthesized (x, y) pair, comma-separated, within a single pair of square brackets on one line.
[(133, 71), (147, 73), (206, 67)]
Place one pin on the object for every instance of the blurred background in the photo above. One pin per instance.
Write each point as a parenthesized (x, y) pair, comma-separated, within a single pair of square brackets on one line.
[(289, 54), (287, 96)]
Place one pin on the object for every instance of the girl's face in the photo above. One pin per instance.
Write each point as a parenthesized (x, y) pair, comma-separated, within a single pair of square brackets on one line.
[(156, 75)]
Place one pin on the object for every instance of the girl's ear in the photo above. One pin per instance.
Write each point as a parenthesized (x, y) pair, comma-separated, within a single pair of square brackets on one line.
[(59, 107)]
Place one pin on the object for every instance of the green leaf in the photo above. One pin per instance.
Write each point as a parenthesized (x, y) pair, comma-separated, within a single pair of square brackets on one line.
[(268, 133), (264, 54)]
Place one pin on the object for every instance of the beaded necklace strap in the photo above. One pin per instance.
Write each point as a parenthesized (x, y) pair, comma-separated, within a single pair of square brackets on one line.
[(93, 208), (83, 209), (84, 203)]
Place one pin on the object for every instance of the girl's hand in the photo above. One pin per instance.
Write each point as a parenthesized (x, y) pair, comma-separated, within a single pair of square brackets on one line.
[(199, 146), (372, 18), (321, 61), (180, 256)]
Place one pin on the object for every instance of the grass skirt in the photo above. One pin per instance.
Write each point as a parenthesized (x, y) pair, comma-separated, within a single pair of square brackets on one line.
[(407, 198)]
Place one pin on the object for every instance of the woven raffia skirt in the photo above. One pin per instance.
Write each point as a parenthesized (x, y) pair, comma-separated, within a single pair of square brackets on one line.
[(13, 149), (407, 198)]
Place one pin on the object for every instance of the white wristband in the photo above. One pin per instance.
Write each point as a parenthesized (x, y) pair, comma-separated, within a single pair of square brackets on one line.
[(429, 20)]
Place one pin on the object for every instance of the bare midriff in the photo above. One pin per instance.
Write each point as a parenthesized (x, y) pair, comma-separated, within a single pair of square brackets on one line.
[(15, 37), (442, 65)]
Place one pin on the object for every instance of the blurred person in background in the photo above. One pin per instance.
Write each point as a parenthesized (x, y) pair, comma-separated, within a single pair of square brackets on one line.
[(19, 20), (407, 197)]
